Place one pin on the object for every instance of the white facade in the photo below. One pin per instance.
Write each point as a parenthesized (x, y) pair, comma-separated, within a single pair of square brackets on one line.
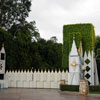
[(36, 79), (74, 71)]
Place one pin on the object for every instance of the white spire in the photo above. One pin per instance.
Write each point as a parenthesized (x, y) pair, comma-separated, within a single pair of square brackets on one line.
[(73, 49), (2, 48)]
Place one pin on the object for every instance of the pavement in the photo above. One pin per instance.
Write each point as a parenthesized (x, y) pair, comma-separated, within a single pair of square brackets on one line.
[(43, 94)]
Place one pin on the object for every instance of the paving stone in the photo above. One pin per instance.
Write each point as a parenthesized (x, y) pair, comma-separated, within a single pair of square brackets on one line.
[(40, 94)]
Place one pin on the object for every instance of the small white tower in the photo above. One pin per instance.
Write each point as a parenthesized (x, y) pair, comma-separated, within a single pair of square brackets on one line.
[(74, 74), (2, 60), (3, 82)]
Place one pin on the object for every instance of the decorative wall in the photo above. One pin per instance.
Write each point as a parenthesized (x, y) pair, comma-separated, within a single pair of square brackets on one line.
[(36, 79), (89, 69), (91, 73)]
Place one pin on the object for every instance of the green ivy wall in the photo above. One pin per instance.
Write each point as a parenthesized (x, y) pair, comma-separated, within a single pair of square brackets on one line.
[(83, 32)]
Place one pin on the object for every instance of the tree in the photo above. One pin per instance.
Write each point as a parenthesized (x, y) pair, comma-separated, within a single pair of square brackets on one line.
[(28, 27), (54, 39), (97, 43), (18, 35), (13, 11), (97, 52), (9, 48), (23, 45), (50, 54)]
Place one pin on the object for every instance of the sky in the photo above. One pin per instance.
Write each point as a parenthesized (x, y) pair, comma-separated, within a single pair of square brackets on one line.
[(51, 15)]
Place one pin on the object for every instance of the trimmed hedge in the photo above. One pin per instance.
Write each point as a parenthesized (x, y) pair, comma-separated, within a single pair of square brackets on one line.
[(83, 32), (98, 51), (69, 87), (94, 88), (76, 88)]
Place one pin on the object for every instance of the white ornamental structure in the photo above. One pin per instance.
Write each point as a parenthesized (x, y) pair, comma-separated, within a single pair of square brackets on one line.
[(77, 61), (74, 74)]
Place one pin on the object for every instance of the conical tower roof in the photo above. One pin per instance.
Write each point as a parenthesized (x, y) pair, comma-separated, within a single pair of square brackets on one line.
[(73, 49), (2, 48)]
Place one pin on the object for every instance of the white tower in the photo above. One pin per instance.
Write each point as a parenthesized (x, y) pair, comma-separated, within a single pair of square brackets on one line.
[(76, 61), (2, 60), (74, 74), (3, 82)]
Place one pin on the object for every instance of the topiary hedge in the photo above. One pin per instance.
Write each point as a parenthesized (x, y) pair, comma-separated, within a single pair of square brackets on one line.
[(83, 32)]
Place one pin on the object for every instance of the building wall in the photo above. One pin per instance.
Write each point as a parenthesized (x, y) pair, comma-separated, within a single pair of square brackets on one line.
[(36, 79)]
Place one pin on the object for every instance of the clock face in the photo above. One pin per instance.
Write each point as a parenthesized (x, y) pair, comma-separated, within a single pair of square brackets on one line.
[(74, 64)]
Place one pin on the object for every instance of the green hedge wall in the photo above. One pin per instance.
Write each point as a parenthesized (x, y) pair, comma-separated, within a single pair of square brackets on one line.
[(83, 32)]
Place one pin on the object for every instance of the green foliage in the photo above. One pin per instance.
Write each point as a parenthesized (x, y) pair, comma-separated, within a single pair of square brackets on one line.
[(54, 39), (69, 87), (13, 14), (13, 11), (83, 32), (76, 88), (28, 27), (94, 88), (97, 43), (50, 54), (23, 53), (17, 50), (23, 45), (98, 51)]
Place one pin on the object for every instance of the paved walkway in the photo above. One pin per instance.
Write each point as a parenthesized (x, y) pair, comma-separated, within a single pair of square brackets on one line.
[(41, 94)]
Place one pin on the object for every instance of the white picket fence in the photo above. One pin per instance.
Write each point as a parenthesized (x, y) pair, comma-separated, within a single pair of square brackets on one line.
[(36, 79)]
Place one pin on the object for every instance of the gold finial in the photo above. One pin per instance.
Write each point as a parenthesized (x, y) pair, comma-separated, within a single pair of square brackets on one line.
[(79, 49), (73, 36)]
